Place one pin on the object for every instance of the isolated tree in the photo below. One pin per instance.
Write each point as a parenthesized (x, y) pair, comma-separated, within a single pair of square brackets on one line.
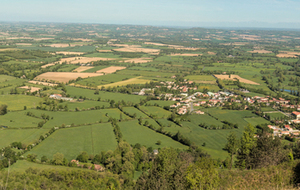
[(232, 146), (3, 109)]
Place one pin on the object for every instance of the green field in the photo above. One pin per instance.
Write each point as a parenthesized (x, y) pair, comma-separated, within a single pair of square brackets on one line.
[(132, 110), (267, 109), (96, 68), (134, 133), (67, 118), (67, 68), (197, 78), (27, 136), (85, 104), (277, 115), (156, 111), (23, 165), (160, 103), (17, 102), (73, 91), (18, 120), (71, 141), (208, 120), (256, 121), (102, 80)]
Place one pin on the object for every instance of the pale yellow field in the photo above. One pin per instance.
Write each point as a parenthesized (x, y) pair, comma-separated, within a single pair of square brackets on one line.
[(285, 55), (288, 54), (205, 82), (64, 76), (186, 48), (138, 60), (75, 60), (23, 44), (133, 49), (126, 45), (234, 77), (136, 80), (69, 53), (48, 65), (83, 39), (28, 38), (185, 54), (211, 53), (59, 45), (9, 49), (104, 50), (111, 69), (42, 83), (156, 44), (82, 68), (234, 43), (260, 51), (32, 89)]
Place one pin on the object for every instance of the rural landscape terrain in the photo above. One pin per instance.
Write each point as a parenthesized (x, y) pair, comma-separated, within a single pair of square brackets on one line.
[(114, 104)]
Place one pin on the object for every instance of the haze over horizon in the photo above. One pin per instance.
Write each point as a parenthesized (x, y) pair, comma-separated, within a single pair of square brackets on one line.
[(190, 13)]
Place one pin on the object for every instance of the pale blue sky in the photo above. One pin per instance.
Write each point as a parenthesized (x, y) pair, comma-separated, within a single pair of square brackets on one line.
[(207, 13)]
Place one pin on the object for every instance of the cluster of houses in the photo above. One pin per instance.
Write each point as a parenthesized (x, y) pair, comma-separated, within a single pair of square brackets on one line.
[(60, 97), (286, 130), (182, 86), (97, 167)]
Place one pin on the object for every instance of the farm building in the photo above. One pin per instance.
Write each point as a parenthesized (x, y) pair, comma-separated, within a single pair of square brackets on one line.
[(296, 114), (59, 97)]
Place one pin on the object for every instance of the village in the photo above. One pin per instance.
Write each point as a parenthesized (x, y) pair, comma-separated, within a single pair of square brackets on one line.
[(191, 103)]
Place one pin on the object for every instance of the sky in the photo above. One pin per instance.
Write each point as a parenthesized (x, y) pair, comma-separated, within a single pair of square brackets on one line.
[(185, 13)]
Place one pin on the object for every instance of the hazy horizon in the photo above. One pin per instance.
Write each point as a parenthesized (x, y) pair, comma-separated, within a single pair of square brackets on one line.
[(191, 13)]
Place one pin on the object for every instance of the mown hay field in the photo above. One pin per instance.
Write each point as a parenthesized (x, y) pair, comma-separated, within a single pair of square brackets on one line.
[(136, 80), (111, 69), (234, 77), (64, 76)]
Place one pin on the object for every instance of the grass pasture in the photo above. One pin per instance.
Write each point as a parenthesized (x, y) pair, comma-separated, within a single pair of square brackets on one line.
[(132, 110), (134, 133), (276, 115), (160, 103), (71, 141), (23, 165), (67, 118), (73, 91), (85, 104), (156, 111), (200, 78), (254, 121), (208, 120), (18, 120), (17, 102), (27, 136)]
